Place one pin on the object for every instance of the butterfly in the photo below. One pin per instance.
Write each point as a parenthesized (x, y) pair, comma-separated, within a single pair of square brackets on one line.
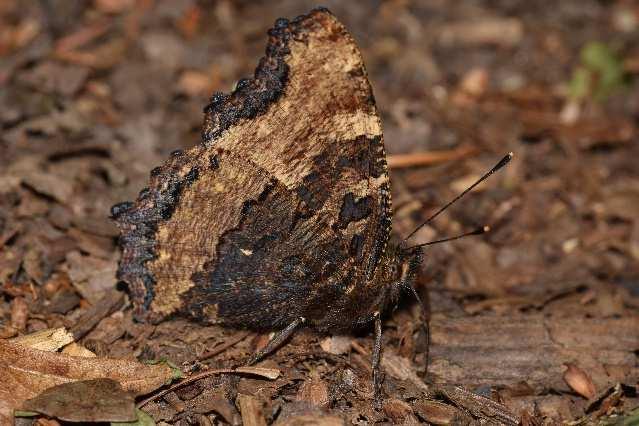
[(282, 215)]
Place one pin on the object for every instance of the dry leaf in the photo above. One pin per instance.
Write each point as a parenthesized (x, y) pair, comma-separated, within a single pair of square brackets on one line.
[(49, 340), (26, 372), (100, 400), (74, 349)]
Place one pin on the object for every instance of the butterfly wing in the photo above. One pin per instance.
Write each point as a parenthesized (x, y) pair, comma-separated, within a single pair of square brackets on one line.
[(284, 208)]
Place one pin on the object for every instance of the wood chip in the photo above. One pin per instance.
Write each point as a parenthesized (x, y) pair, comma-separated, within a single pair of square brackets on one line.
[(19, 313), (251, 410), (579, 381), (336, 345)]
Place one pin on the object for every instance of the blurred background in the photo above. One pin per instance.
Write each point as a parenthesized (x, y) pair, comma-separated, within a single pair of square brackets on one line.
[(93, 94)]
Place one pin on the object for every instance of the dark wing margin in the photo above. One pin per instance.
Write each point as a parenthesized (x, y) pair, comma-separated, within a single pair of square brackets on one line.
[(252, 96)]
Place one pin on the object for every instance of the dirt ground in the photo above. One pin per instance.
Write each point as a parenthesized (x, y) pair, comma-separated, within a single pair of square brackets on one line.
[(541, 315)]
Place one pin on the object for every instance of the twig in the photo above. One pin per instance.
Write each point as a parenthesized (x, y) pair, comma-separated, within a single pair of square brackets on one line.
[(82, 37), (223, 347), (268, 373), (402, 161), (108, 304)]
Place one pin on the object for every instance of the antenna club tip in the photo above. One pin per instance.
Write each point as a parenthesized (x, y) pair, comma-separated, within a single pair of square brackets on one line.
[(505, 160), (480, 230)]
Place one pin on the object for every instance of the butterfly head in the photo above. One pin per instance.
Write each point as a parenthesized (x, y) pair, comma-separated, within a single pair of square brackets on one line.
[(399, 270)]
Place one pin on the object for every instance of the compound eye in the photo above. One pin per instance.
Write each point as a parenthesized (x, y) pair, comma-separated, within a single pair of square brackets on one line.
[(393, 270)]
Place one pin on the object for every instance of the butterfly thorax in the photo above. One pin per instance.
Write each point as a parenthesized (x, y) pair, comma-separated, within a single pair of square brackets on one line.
[(395, 272)]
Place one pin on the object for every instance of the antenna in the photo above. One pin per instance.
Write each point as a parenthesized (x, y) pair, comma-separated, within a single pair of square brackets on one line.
[(498, 166), (477, 231)]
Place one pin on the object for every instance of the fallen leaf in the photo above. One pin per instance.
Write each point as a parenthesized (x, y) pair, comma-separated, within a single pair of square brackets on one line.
[(74, 349), (99, 400), (49, 340), (26, 372)]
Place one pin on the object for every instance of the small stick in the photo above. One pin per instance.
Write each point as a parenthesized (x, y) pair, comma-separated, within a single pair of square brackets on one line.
[(109, 303), (264, 372), (402, 161), (82, 37), (223, 347)]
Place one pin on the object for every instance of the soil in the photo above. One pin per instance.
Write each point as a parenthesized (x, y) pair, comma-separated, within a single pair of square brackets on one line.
[(540, 315)]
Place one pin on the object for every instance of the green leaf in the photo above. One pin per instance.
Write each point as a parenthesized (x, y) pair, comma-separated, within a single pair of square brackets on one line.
[(579, 86), (632, 419), (600, 74), (177, 373), (22, 413)]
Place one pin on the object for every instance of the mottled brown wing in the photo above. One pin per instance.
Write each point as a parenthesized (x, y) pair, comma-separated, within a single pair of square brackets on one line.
[(285, 204)]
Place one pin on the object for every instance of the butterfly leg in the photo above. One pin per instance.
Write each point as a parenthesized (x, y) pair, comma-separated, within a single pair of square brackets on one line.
[(377, 374), (427, 331), (276, 340)]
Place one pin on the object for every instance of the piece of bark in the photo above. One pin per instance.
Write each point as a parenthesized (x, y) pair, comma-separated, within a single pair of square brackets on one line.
[(19, 313), (251, 410), (487, 350), (315, 392), (480, 407), (311, 420)]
